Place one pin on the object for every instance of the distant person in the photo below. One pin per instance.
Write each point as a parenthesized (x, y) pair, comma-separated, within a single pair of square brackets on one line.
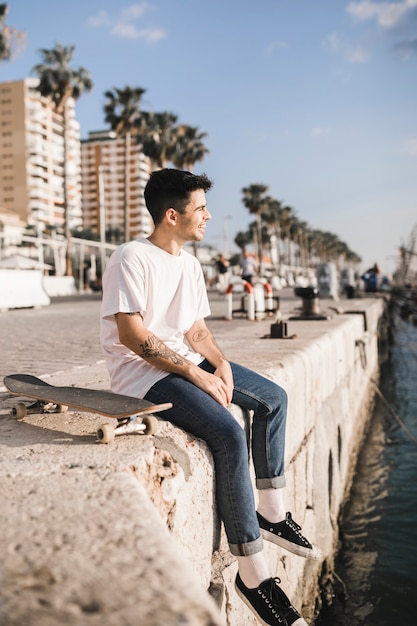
[(222, 273), (371, 279), (248, 267), (86, 269), (157, 346)]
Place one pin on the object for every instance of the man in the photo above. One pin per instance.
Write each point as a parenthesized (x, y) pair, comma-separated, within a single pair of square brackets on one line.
[(223, 273), (248, 267), (158, 346)]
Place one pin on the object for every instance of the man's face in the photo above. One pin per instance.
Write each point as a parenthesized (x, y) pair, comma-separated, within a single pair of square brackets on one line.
[(191, 225)]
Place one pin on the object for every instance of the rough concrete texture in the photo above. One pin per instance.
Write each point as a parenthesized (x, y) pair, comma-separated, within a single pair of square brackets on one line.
[(86, 526), (127, 533), (81, 554)]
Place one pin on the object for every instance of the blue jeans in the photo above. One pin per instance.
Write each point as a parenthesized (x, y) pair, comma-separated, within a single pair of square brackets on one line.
[(200, 415)]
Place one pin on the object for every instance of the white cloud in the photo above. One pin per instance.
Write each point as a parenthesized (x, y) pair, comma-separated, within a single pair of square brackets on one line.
[(129, 31), (319, 131), (124, 25), (410, 147), (276, 44), (356, 54), (352, 54), (101, 19), (387, 14), (134, 11)]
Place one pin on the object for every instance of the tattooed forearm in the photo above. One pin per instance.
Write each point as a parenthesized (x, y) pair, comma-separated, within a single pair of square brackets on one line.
[(154, 347), (200, 335)]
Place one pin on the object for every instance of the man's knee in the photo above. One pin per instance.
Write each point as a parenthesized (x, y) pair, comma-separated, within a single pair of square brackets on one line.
[(276, 397), (233, 435)]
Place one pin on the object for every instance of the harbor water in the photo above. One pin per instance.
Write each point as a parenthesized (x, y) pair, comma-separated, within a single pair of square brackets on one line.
[(376, 568)]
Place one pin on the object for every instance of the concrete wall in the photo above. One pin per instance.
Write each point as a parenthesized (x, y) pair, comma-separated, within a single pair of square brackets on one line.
[(30, 288), (128, 532), (59, 286), (21, 289), (327, 371)]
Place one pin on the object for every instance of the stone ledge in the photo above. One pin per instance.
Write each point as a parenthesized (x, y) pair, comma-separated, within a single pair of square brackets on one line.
[(86, 526)]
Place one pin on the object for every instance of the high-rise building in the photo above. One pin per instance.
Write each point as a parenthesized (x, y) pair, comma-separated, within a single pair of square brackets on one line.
[(114, 173), (32, 157)]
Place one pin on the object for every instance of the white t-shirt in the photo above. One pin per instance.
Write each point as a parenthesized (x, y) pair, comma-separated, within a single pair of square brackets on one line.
[(170, 294)]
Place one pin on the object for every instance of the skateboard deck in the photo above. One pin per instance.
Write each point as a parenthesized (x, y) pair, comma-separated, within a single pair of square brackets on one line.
[(54, 399)]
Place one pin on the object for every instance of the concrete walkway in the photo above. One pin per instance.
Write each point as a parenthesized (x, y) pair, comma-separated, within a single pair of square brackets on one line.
[(86, 528), (65, 334)]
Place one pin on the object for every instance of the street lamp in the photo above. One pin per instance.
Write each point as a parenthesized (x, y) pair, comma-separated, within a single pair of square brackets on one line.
[(226, 234), (102, 211)]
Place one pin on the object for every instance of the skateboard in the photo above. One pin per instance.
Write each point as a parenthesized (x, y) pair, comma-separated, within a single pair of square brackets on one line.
[(132, 414)]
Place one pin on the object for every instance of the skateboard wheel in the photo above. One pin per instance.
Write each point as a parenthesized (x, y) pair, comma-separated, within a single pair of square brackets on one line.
[(61, 408), (19, 410), (105, 434), (151, 425)]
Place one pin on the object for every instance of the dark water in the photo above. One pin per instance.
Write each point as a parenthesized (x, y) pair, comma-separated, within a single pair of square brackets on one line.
[(377, 564)]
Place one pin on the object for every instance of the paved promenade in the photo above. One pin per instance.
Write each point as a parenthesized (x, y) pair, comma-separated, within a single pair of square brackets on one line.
[(54, 338), (87, 524), (65, 334)]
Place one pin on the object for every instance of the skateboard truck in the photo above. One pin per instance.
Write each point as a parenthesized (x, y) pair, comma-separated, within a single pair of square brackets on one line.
[(106, 433), (147, 425), (20, 410)]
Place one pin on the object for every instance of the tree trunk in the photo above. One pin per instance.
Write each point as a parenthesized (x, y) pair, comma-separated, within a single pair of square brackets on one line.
[(259, 243)]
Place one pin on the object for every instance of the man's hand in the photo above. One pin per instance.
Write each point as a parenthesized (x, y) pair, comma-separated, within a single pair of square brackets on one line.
[(224, 372), (218, 385), (201, 340)]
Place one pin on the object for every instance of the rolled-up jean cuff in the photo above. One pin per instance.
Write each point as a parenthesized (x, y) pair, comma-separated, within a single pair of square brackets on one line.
[(246, 549), (270, 483)]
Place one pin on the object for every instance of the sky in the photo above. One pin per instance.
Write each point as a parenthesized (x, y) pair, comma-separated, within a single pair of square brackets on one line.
[(315, 99)]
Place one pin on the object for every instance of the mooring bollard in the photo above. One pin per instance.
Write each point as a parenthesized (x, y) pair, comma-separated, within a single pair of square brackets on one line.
[(259, 300), (229, 302), (250, 301), (311, 306), (279, 330), (269, 299)]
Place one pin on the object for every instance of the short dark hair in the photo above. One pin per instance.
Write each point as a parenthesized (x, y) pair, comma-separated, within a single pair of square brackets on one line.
[(171, 188)]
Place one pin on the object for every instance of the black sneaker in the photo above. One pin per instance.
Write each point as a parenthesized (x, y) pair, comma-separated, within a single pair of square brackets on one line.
[(268, 602), (287, 535)]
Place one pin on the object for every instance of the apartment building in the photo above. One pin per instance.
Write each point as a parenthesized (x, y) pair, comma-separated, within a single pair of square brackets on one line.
[(32, 157), (114, 173)]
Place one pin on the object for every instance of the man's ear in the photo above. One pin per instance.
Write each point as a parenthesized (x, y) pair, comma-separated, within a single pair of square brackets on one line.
[(171, 216)]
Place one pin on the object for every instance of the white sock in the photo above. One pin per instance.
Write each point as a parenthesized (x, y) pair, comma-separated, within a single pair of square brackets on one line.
[(271, 504), (253, 569)]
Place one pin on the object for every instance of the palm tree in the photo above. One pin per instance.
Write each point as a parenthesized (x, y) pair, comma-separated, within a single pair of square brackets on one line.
[(4, 44), (122, 112), (272, 217), (287, 218), (303, 239), (158, 135), (242, 239), (11, 39), (295, 232), (189, 148), (59, 82), (255, 199), (316, 246)]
